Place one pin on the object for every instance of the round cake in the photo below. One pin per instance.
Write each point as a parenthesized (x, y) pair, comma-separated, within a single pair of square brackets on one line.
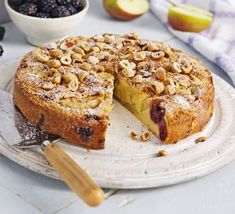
[(67, 88)]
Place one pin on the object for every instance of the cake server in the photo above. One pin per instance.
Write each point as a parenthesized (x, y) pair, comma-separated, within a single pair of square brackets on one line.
[(17, 131)]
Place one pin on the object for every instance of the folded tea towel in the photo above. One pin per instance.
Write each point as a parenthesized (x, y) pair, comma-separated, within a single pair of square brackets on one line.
[(216, 43)]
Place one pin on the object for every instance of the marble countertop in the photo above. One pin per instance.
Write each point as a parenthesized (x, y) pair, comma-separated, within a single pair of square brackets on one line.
[(23, 191)]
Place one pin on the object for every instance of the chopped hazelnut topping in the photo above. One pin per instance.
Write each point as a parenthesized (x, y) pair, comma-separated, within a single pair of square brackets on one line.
[(99, 68), (100, 45), (145, 137), (124, 63), (93, 60), (128, 72), (183, 90), (170, 89), (65, 60), (173, 82), (106, 76), (160, 74), (109, 39), (187, 67), (68, 77), (139, 56), (54, 63), (98, 38), (64, 46), (101, 55), (153, 47), (195, 80), (137, 79), (82, 75), (86, 46), (119, 45), (56, 53), (93, 103), (52, 45), (158, 86), (169, 52), (162, 153), (134, 36), (133, 65), (127, 68), (85, 66), (143, 42), (184, 82), (57, 78), (125, 56), (130, 49), (158, 55), (176, 67), (77, 57), (73, 85), (41, 57), (200, 139), (79, 50), (102, 93), (133, 136), (95, 49), (47, 85)]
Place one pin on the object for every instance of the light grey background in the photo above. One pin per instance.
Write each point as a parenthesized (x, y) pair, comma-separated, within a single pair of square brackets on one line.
[(3, 13)]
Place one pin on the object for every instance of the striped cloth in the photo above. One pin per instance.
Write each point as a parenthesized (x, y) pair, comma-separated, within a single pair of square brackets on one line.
[(218, 42)]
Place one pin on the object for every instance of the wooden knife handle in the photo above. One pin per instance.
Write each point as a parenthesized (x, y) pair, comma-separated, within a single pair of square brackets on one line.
[(75, 177)]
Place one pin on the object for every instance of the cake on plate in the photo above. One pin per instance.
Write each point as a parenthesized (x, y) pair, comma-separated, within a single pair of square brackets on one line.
[(68, 88)]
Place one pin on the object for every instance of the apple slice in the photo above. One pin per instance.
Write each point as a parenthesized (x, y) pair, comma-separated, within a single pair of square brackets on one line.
[(187, 18), (126, 9)]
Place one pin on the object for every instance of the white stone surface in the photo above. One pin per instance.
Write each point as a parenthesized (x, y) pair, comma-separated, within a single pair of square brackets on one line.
[(214, 193), (13, 203)]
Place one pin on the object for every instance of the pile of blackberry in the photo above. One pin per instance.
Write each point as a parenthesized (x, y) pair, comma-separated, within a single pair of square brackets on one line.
[(2, 33), (47, 8)]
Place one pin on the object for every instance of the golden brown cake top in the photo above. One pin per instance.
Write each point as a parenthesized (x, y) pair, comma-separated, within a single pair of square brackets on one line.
[(77, 73)]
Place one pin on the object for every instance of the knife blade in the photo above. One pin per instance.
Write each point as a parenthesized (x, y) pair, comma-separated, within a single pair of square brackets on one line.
[(14, 127), (17, 131)]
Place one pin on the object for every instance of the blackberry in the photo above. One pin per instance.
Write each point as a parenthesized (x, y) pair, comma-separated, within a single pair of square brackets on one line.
[(85, 133), (43, 15), (71, 9), (2, 32), (64, 2), (77, 4), (1, 50), (46, 5), (29, 9), (15, 3), (59, 11)]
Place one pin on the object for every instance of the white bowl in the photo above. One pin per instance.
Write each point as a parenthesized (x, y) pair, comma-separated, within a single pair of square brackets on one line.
[(42, 31)]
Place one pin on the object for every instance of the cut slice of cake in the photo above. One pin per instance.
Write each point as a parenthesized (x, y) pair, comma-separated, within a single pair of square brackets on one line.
[(67, 88)]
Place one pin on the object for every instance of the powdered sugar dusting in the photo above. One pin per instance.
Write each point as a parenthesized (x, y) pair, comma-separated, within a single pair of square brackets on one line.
[(181, 101)]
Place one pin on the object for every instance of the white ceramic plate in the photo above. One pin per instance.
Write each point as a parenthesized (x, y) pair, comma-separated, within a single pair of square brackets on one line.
[(125, 163)]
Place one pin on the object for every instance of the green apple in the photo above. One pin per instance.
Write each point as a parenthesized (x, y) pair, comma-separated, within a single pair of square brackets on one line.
[(126, 9), (187, 18)]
